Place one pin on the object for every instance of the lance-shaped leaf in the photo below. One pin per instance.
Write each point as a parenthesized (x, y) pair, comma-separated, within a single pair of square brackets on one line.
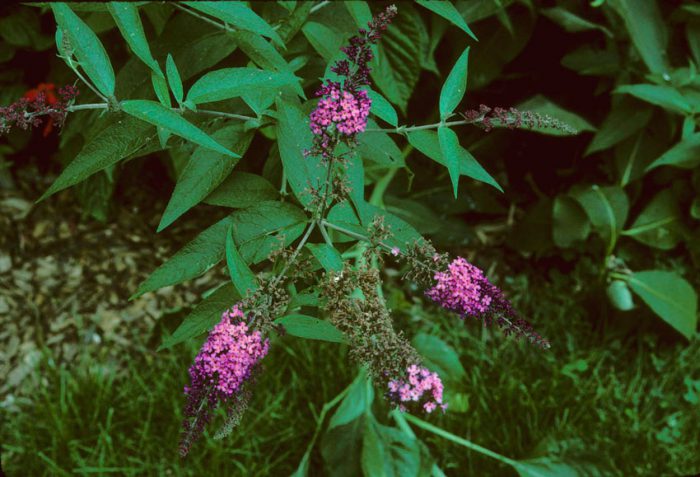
[(447, 11), (665, 96), (310, 328), (607, 209), (670, 297), (158, 115), (378, 147), (204, 171), (427, 142), (570, 222), (382, 108), (242, 189), (685, 154), (174, 78), (230, 83), (122, 138), (449, 147), (647, 30), (126, 16), (240, 16), (241, 276), (455, 84), (659, 224), (87, 47)]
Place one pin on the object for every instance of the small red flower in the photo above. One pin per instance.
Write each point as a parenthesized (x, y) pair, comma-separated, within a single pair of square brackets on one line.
[(47, 89)]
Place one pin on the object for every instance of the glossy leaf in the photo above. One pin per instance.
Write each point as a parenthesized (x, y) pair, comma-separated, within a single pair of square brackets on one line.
[(447, 11), (669, 296), (205, 315), (204, 171), (240, 16), (427, 142), (174, 78), (242, 189), (456, 83), (230, 83), (684, 154), (382, 108), (122, 138), (647, 30), (242, 277), (87, 48), (450, 149), (158, 115), (126, 16), (310, 328)]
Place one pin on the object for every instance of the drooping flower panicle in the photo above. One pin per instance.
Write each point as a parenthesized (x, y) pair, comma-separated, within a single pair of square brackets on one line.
[(420, 388), (223, 366), (464, 289), (343, 109)]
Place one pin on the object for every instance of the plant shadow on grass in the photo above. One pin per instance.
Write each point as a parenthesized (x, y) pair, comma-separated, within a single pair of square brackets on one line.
[(630, 404)]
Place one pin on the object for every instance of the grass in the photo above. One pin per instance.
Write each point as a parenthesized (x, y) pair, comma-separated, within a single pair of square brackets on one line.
[(628, 402)]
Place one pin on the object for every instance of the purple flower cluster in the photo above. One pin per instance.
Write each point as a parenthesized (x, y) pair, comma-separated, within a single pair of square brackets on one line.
[(29, 110), (421, 387), (464, 289), (223, 365), (343, 109)]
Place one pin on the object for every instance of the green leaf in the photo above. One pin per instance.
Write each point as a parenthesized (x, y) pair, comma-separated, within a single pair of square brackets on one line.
[(685, 154), (310, 328), (542, 105), (607, 209), (327, 256), (123, 137), (647, 29), (449, 147), (204, 171), (620, 295), (669, 296), (325, 41), (572, 22), (447, 11), (230, 83), (427, 142), (205, 315), (456, 83), (260, 51), (87, 48), (570, 223), (192, 260), (158, 115), (257, 229), (382, 108), (126, 16), (360, 12), (240, 16), (553, 467), (356, 402), (160, 86), (439, 357), (242, 277), (659, 224), (626, 118), (665, 96), (293, 137), (174, 78), (242, 189), (402, 234), (379, 147)]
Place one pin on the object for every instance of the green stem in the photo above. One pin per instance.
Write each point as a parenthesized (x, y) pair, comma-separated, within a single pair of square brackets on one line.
[(222, 114), (405, 129), (459, 440), (301, 244)]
